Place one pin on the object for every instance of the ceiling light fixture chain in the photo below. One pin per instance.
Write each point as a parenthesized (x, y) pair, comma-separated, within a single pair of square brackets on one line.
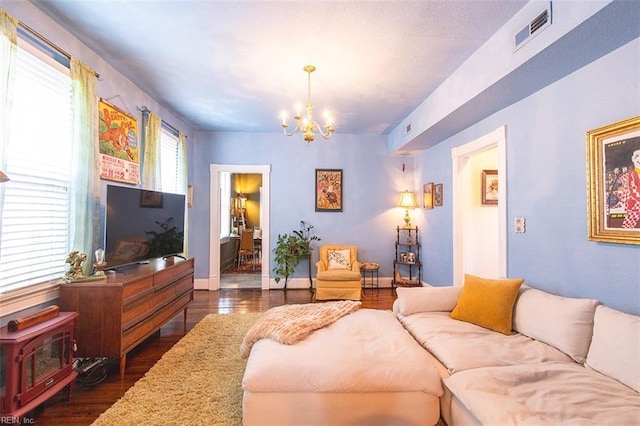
[(308, 125)]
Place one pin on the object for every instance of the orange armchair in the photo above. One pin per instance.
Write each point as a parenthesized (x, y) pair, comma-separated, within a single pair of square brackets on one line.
[(338, 275)]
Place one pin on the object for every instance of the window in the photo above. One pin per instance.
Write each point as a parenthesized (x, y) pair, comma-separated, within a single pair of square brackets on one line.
[(37, 157), (170, 161), (225, 204)]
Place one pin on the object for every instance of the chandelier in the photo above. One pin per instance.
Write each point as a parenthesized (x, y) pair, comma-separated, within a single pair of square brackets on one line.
[(307, 125)]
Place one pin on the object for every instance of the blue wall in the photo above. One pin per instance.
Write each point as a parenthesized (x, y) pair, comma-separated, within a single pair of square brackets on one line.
[(372, 182), (547, 184)]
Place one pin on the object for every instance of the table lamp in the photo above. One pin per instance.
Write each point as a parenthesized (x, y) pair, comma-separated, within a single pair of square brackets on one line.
[(407, 201)]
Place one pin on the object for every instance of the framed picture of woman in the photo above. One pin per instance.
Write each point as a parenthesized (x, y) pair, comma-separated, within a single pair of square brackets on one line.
[(613, 163)]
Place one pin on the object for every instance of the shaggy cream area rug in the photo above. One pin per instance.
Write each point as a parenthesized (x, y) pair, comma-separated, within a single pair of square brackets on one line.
[(198, 381)]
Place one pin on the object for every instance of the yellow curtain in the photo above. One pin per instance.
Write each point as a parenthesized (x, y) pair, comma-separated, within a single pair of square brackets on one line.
[(184, 185), (151, 167), (85, 199)]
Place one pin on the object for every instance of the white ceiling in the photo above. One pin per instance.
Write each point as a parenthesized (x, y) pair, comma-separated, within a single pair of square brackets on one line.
[(236, 65)]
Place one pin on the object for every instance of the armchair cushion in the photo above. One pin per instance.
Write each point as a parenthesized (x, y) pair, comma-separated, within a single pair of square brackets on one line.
[(339, 259)]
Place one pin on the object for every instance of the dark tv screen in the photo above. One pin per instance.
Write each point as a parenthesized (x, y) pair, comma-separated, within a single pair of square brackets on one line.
[(142, 225)]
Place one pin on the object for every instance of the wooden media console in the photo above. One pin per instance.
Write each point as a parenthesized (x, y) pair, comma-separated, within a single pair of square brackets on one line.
[(119, 313)]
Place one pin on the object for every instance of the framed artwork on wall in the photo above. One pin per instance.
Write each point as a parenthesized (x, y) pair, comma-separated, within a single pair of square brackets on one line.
[(151, 199), (118, 144), (613, 174), (427, 195), (489, 187), (437, 194), (328, 190)]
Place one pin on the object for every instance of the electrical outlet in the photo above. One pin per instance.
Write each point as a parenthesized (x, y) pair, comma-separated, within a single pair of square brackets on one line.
[(519, 224)]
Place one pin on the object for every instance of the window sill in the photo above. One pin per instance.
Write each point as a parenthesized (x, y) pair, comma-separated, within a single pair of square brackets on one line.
[(28, 297)]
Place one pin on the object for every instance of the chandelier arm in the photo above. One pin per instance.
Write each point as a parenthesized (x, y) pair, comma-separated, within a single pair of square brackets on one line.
[(293, 132), (325, 135)]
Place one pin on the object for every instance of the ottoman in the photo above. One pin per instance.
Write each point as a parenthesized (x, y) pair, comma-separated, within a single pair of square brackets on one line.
[(364, 368)]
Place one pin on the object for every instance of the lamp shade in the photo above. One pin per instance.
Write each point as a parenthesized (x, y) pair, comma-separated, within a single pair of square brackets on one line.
[(407, 200), (3, 177)]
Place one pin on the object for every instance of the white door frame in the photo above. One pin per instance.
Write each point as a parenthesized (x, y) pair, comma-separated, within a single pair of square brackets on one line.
[(214, 219), (461, 190)]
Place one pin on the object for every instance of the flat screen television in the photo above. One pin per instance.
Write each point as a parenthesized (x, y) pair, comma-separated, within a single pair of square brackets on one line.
[(142, 225)]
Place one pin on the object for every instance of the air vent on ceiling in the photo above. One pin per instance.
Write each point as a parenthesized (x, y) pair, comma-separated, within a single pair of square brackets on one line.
[(407, 129), (539, 23)]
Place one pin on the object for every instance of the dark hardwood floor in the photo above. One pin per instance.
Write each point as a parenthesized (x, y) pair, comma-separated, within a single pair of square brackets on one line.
[(89, 402)]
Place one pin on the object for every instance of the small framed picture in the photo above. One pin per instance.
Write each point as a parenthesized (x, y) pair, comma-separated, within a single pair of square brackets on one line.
[(151, 199), (489, 187), (427, 195), (437, 194), (403, 256)]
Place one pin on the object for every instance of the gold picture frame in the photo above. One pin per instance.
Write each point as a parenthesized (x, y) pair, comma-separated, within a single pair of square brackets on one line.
[(427, 195), (613, 161)]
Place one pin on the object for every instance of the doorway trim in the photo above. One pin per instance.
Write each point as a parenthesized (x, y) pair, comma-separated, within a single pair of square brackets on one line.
[(461, 176), (214, 219)]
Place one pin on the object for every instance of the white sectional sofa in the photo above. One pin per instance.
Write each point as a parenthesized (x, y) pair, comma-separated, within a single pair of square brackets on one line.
[(569, 361)]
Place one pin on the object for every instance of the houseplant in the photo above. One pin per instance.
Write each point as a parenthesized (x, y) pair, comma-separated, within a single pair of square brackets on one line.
[(168, 240), (290, 249)]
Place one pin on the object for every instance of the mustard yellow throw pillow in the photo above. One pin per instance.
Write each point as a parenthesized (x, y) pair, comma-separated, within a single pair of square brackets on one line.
[(487, 302)]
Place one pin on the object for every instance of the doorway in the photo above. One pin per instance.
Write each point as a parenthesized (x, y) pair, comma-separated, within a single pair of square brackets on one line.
[(214, 221), (479, 231), (240, 252)]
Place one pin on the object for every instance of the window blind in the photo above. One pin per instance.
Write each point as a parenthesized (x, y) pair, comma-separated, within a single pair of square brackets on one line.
[(35, 209), (169, 162)]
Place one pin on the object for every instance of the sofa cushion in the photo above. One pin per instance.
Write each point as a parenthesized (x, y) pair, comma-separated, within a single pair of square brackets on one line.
[(339, 259), (487, 302), (615, 347), (460, 345), (563, 322), (544, 394), (427, 299), (366, 351)]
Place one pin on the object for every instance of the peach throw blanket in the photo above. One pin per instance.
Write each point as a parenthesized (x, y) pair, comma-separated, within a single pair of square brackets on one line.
[(289, 324)]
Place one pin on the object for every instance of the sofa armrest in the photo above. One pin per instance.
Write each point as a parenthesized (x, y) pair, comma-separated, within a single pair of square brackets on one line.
[(426, 299), (355, 266)]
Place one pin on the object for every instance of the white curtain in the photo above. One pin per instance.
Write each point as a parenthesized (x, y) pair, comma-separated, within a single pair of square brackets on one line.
[(85, 200), (8, 49), (151, 166), (183, 175)]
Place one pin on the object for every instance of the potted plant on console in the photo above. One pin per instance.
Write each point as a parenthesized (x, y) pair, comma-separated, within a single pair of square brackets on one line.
[(291, 249), (168, 240)]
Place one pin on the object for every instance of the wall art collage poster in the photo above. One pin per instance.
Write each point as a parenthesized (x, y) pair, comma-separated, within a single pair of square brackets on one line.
[(119, 142)]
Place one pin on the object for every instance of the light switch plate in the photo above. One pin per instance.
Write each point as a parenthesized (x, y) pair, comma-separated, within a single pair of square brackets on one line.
[(519, 224)]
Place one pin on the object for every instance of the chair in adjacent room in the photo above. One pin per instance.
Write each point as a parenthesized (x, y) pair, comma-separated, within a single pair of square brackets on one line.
[(338, 275), (246, 250)]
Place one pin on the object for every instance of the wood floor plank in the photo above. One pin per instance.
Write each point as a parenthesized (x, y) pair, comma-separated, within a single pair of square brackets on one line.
[(89, 402)]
